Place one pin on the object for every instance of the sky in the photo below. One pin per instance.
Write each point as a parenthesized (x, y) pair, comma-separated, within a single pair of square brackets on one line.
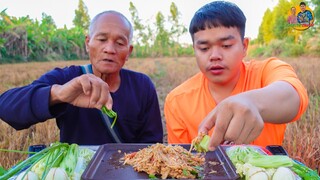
[(63, 11)]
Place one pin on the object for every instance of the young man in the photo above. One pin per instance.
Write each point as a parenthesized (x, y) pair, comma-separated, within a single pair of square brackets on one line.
[(232, 100), (304, 16), (74, 95)]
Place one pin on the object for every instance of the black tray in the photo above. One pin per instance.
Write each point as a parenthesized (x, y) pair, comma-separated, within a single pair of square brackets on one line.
[(106, 164)]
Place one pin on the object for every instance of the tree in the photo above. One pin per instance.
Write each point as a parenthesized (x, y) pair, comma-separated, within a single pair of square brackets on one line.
[(82, 18), (177, 29), (266, 32), (142, 33), (162, 41)]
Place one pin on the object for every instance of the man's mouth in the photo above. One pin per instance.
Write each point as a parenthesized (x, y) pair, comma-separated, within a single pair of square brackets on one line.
[(216, 69), (108, 60)]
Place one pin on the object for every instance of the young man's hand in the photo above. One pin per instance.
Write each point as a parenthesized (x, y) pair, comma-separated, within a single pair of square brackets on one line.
[(235, 119), (240, 118)]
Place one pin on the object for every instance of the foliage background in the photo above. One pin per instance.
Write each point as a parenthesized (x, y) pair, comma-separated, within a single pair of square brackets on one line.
[(23, 39)]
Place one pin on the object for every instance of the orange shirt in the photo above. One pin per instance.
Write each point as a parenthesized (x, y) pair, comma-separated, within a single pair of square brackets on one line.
[(189, 103)]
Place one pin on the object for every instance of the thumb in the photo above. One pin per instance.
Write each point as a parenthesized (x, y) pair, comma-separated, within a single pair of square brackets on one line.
[(109, 103), (207, 123)]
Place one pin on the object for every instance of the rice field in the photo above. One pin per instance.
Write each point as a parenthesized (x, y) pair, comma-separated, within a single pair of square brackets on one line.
[(302, 138)]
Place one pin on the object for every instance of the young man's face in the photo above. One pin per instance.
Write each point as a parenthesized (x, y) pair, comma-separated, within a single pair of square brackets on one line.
[(219, 53), (303, 8)]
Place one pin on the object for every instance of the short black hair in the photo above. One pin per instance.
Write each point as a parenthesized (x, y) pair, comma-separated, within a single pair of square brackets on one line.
[(217, 14), (302, 3)]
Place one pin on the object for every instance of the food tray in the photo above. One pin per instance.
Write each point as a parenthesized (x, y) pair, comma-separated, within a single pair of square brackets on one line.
[(106, 164)]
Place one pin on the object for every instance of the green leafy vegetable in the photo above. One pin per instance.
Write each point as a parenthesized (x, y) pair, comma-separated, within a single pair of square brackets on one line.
[(2, 171), (110, 113), (28, 163), (152, 176), (246, 159), (69, 162), (305, 172), (59, 156)]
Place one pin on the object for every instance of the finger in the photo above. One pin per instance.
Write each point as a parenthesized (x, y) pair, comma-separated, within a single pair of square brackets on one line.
[(235, 129), (244, 133), (207, 123), (109, 103), (222, 122), (95, 93), (86, 84), (104, 95), (256, 130)]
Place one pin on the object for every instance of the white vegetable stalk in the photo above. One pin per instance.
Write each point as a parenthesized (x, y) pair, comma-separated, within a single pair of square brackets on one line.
[(57, 173), (29, 176), (283, 173)]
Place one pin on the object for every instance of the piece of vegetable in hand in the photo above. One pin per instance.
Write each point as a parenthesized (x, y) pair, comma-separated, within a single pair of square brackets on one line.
[(200, 143), (110, 113)]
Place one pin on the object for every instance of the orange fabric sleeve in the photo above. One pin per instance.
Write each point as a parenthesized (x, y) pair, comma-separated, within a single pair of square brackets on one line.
[(277, 70)]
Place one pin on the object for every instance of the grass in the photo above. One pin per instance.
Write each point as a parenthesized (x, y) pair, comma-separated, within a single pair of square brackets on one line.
[(302, 137)]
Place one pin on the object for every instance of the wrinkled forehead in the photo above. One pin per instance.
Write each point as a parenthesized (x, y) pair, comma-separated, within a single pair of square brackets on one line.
[(114, 18), (110, 20)]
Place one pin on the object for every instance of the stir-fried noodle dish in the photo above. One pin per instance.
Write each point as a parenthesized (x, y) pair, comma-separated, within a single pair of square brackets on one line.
[(167, 161)]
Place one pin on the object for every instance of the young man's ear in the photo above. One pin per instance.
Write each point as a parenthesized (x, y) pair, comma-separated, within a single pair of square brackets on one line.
[(245, 46)]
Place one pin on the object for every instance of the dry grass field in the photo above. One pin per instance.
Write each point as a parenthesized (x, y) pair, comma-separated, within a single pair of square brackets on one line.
[(302, 138)]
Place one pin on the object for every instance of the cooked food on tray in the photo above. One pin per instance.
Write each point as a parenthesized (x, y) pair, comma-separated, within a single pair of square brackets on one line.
[(168, 161)]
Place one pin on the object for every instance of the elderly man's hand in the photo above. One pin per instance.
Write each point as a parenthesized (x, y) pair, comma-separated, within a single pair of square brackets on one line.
[(88, 91)]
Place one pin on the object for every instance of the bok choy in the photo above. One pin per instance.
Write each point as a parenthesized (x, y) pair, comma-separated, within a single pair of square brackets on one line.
[(248, 162)]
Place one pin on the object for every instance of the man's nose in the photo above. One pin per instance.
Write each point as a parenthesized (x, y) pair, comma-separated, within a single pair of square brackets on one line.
[(215, 54), (109, 47)]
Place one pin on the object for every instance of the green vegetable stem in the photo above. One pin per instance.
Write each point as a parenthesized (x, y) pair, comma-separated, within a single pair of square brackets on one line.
[(110, 113), (70, 160), (28, 163)]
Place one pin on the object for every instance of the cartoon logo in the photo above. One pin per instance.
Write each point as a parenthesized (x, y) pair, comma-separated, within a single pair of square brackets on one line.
[(300, 17)]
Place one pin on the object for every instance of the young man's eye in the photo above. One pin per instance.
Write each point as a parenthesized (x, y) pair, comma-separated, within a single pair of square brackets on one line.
[(226, 45), (102, 39), (203, 48)]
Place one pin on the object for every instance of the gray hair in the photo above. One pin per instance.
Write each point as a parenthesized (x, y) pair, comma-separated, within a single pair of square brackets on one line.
[(94, 21)]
